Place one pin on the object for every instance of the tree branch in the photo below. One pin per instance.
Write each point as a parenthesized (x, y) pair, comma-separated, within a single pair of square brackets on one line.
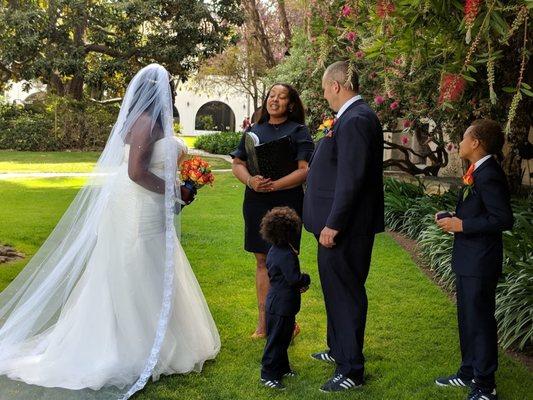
[(110, 101), (99, 48)]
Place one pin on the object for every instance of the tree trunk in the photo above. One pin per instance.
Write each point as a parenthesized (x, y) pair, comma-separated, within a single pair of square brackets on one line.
[(75, 88), (285, 23), (259, 32)]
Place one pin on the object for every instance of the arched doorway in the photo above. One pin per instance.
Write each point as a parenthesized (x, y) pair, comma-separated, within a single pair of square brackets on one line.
[(215, 116)]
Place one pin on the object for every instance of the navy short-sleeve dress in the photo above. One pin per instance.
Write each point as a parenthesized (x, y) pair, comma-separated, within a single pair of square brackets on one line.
[(257, 204)]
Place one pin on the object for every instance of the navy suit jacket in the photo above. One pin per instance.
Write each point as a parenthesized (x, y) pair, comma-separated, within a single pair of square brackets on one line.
[(286, 280), (345, 179), (486, 212)]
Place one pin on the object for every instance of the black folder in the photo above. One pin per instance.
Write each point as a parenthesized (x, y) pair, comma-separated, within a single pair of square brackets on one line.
[(272, 160)]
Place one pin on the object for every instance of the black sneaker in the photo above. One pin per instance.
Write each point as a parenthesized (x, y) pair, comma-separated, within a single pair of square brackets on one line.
[(340, 383), (455, 381), (272, 384), (290, 374), (480, 394), (323, 356)]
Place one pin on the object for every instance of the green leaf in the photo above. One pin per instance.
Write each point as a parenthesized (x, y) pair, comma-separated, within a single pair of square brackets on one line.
[(526, 85), (468, 78), (527, 92), (509, 89), (471, 68)]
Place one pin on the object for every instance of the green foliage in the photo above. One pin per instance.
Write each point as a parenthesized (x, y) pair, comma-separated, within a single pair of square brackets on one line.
[(404, 56), (56, 124), (218, 143), (409, 211), (70, 44), (205, 123)]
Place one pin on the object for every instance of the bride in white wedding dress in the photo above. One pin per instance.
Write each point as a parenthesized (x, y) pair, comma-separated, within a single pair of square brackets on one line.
[(110, 299)]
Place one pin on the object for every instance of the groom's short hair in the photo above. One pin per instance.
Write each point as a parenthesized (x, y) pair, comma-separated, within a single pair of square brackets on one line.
[(344, 73)]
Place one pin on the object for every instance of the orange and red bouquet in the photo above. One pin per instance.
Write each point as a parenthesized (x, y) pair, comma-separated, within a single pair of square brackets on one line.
[(196, 172)]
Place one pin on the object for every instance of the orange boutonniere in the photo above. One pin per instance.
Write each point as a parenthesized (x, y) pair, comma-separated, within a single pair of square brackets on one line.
[(468, 180), (326, 127)]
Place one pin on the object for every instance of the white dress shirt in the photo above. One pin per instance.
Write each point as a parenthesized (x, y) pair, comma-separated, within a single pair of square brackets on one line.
[(347, 104), (479, 162)]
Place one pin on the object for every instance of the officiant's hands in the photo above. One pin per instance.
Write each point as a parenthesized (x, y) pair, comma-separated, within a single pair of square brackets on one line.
[(260, 184), (327, 237)]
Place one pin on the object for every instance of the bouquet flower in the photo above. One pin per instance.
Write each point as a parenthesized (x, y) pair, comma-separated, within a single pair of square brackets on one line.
[(195, 173)]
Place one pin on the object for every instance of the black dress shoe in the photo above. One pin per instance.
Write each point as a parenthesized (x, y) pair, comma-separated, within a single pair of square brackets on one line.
[(480, 394), (290, 374), (454, 381), (341, 383), (323, 356)]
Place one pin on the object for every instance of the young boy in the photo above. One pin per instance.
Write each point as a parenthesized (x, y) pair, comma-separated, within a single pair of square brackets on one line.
[(280, 227), (483, 212)]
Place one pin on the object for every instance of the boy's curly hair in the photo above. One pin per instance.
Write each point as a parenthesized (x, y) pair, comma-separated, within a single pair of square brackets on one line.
[(281, 226)]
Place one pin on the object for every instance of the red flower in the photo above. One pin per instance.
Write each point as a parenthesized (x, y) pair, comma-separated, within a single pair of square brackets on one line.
[(351, 36), (359, 54), (394, 105), (379, 100), (384, 8), (452, 87), (404, 140), (407, 123), (346, 10), (471, 11)]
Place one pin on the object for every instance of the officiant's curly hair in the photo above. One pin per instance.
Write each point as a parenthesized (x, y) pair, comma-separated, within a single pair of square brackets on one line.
[(296, 110), (281, 226)]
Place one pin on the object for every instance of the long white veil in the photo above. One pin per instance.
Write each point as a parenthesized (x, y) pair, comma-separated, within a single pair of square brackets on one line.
[(33, 302)]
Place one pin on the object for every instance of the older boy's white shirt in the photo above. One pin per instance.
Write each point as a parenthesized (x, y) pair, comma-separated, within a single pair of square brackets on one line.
[(347, 104), (478, 163)]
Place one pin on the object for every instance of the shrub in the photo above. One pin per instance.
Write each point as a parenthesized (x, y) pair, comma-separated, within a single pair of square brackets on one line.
[(56, 124), (218, 143)]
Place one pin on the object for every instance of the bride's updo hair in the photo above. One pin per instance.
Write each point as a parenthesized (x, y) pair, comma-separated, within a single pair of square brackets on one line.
[(281, 226)]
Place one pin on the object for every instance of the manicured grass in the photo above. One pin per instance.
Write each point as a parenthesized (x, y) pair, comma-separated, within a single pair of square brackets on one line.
[(411, 333), (63, 161), (217, 163), (189, 140), (52, 161)]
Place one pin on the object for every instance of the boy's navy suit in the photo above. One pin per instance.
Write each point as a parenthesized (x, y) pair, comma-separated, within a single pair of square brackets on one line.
[(345, 193), (282, 305), (477, 262)]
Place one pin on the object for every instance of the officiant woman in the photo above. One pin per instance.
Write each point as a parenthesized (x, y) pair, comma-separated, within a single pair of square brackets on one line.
[(282, 114)]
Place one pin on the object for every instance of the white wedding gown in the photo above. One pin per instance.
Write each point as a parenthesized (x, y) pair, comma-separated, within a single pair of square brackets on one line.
[(105, 331)]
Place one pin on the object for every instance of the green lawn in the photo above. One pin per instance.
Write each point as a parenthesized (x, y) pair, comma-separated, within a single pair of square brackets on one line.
[(189, 140), (411, 334), (51, 161), (64, 161)]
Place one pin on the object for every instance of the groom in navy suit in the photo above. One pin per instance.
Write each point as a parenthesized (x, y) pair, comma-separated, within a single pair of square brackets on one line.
[(343, 207)]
